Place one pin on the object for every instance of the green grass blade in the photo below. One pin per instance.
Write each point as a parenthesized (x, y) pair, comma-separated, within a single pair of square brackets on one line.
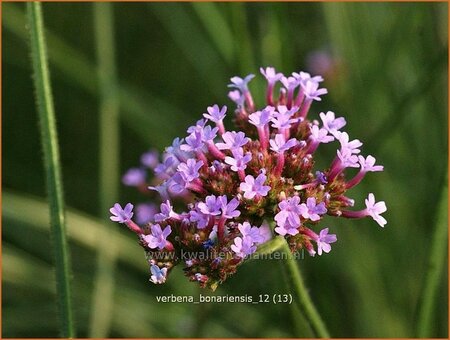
[(104, 283), (217, 27), (140, 107), (435, 267), (52, 167)]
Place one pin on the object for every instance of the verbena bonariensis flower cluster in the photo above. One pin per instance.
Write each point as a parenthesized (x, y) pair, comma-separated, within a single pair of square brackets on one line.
[(242, 188)]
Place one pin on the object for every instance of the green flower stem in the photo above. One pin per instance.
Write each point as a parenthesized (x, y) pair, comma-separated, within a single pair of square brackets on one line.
[(301, 296), (103, 292), (52, 166), (438, 255)]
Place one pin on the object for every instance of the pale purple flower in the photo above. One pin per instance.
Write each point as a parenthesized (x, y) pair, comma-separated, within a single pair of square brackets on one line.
[(243, 246), (281, 119), (280, 145), (312, 91), (194, 142), (199, 125), (241, 84), (168, 167), (211, 206), (288, 218), (376, 209), (289, 83), (253, 187), (189, 170), (158, 237), (158, 275), (265, 232), (134, 177), (344, 139), (233, 140), (177, 184), (166, 212), (324, 240), (176, 151), (150, 159), (200, 218), (262, 118), (320, 135), (331, 123), (247, 229), (145, 212), (237, 97), (270, 74), (347, 158), (121, 215), (239, 161), (302, 77), (311, 210), (209, 133), (162, 189), (368, 164), (229, 208), (215, 114), (321, 178)]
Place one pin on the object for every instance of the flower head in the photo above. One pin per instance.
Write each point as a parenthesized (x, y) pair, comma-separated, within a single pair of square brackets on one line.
[(243, 246), (241, 84), (229, 208), (233, 140), (311, 210), (263, 117), (279, 144), (270, 74), (134, 177), (254, 233), (368, 164), (239, 160), (312, 91), (215, 114), (189, 170)]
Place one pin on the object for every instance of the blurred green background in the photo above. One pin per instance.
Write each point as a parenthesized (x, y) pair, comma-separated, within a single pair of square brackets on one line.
[(388, 78)]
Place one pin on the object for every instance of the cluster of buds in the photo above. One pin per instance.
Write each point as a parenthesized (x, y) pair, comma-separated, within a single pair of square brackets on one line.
[(241, 188)]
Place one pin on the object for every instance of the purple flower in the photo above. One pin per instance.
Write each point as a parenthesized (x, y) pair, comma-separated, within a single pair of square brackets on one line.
[(240, 83), (145, 212), (321, 178), (331, 123), (168, 167), (252, 187), (323, 241), (199, 218), (176, 151), (177, 184), (347, 158), (237, 97), (312, 91), (262, 118), (302, 77), (211, 206), (121, 215), (238, 161), (158, 275), (162, 189), (270, 74), (197, 127), (288, 218), (243, 246), (229, 208), (368, 164), (134, 177), (233, 140), (166, 212), (265, 232), (281, 119), (289, 83), (194, 142), (375, 209), (157, 238), (150, 159), (215, 114), (246, 229), (344, 138), (280, 145), (209, 133), (312, 211), (320, 135), (189, 170)]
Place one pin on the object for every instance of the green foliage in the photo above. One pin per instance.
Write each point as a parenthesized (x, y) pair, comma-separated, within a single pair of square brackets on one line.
[(173, 60)]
